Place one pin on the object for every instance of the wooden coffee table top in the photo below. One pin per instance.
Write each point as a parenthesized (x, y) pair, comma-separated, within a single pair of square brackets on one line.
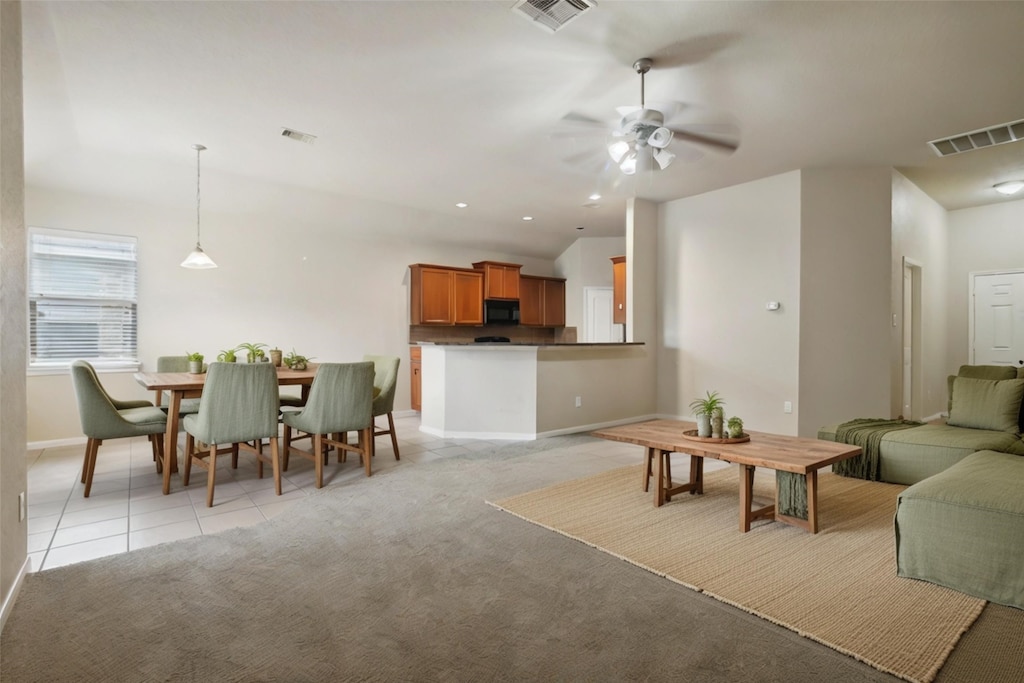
[(786, 453)]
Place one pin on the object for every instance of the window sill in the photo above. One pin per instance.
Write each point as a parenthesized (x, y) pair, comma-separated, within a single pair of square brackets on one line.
[(65, 368)]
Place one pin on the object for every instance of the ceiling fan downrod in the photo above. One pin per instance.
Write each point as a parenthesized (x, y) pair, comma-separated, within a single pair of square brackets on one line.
[(642, 66)]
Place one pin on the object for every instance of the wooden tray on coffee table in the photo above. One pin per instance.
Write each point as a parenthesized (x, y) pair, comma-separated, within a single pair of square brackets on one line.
[(691, 435)]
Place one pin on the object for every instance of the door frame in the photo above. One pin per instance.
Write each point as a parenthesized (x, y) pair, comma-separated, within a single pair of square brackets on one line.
[(916, 376), (971, 276)]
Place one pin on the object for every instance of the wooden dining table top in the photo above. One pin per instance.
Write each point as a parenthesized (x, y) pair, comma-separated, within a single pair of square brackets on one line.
[(185, 381)]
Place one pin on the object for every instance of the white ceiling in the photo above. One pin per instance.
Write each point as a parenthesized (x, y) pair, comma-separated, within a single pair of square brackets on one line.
[(424, 104)]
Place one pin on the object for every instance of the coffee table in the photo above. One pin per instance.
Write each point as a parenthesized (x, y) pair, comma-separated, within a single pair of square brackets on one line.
[(793, 454)]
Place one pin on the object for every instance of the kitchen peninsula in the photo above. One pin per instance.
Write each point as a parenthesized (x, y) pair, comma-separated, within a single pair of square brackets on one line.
[(525, 391)]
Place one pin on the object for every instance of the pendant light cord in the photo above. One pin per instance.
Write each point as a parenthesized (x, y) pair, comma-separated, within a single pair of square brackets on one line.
[(199, 150)]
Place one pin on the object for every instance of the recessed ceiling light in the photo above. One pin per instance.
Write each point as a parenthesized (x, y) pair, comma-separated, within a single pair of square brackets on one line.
[(527, 218), (1009, 187), (595, 196), (462, 205)]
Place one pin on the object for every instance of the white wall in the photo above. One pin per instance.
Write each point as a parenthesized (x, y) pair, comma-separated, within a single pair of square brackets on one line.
[(983, 238), (920, 233), (315, 287), (721, 257)]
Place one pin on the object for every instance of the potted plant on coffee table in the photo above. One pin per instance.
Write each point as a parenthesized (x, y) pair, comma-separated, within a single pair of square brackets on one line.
[(704, 409), (195, 362), (735, 426)]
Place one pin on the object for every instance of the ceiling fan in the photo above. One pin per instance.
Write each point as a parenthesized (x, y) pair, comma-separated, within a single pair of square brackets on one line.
[(643, 135)]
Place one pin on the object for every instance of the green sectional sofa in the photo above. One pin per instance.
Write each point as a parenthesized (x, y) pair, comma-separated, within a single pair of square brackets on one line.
[(960, 523)]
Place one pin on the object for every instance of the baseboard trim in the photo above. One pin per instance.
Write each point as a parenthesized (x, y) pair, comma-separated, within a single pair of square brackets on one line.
[(56, 443), (531, 436), (12, 595)]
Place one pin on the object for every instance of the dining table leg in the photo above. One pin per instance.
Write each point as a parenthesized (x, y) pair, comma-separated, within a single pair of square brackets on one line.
[(171, 439)]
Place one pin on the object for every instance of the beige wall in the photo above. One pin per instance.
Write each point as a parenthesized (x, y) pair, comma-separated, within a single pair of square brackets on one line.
[(920, 233), (985, 238), (721, 257), (845, 285), (13, 461), (303, 285), (586, 263)]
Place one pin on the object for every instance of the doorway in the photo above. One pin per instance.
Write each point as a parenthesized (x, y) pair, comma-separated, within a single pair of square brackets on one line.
[(911, 333), (996, 325)]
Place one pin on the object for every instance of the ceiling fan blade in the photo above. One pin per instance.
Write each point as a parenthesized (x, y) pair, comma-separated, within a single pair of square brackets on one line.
[(720, 144), (584, 156), (575, 118)]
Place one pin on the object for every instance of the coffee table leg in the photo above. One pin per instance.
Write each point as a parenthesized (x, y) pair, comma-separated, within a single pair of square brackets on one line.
[(659, 494), (746, 496), (812, 501)]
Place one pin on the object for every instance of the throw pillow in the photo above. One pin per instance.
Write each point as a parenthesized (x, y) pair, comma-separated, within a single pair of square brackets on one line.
[(987, 404)]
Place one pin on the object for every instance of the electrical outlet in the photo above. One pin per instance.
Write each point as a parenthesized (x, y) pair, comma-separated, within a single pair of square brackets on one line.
[(787, 407), (22, 508), (579, 401)]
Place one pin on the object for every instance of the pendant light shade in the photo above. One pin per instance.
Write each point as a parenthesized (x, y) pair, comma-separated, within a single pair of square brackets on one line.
[(198, 258)]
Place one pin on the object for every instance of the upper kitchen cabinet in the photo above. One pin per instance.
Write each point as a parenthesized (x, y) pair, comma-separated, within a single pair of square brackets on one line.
[(619, 290), (445, 296), (541, 301), (501, 280)]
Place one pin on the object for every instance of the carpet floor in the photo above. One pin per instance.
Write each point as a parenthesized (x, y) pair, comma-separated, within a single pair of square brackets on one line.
[(409, 575), (838, 587)]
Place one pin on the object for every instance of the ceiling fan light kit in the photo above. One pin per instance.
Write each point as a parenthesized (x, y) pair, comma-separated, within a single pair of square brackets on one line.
[(1009, 187), (642, 138), (197, 259)]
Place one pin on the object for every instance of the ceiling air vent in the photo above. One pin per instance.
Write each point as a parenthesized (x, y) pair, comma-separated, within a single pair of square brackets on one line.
[(299, 136), (977, 139), (552, 15)]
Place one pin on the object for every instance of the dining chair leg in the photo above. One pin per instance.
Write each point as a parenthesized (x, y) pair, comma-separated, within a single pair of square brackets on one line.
[(211, 475), (92, 447), (275, 461), (366, 442), (234, 456), (85, 459), (318, 458), (257, 446), (342, 453), (286, 447), (157, 442), (394, 437), (190, 443)]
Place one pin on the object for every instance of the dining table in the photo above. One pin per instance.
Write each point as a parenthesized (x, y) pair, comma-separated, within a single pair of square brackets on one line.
[(190, 385)]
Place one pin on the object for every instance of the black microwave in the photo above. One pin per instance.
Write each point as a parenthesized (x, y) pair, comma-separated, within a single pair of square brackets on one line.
[(501, 312)]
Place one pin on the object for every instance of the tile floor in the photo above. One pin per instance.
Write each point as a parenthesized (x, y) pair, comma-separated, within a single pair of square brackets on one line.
[(127, 510)]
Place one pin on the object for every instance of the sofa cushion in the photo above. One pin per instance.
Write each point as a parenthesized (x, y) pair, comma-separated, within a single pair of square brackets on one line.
[(987, 404), (908, 456), (979, 372), (964, 528)]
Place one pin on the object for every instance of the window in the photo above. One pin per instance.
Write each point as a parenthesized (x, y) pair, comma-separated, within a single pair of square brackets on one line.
[(82, 296)]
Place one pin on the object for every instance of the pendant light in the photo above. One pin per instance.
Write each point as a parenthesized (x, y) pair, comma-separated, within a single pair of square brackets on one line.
[(198, 258)]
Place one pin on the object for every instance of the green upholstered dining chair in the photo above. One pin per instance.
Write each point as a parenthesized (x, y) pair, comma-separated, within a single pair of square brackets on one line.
[(340, 401), (239, 405), (385, 380), (189, 406), (104, 417)]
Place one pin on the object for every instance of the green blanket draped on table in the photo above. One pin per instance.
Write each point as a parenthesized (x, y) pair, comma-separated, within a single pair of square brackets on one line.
[(866, 432)]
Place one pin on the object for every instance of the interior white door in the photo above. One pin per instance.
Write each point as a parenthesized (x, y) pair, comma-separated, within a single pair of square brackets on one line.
[(998, 319), (597, 315)]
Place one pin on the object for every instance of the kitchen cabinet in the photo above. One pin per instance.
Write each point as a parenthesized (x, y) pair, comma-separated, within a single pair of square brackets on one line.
[(415, 377), (445, 296), (619, 289), (541, 301), (501, 280)]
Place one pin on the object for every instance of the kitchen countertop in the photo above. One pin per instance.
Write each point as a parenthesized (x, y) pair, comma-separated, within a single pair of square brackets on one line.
[(535, 344)]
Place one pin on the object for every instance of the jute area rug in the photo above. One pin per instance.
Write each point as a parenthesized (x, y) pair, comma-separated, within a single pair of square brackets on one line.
[(838, 587)]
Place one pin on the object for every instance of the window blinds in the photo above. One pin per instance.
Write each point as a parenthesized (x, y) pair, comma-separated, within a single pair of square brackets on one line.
[(83, 291)]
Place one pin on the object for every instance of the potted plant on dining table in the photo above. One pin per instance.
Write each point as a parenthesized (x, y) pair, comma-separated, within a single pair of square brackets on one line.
[(253, 351), (195, 362), (296, 361)]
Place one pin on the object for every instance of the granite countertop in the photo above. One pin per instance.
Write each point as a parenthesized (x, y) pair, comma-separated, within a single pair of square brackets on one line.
[(537, 344)]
